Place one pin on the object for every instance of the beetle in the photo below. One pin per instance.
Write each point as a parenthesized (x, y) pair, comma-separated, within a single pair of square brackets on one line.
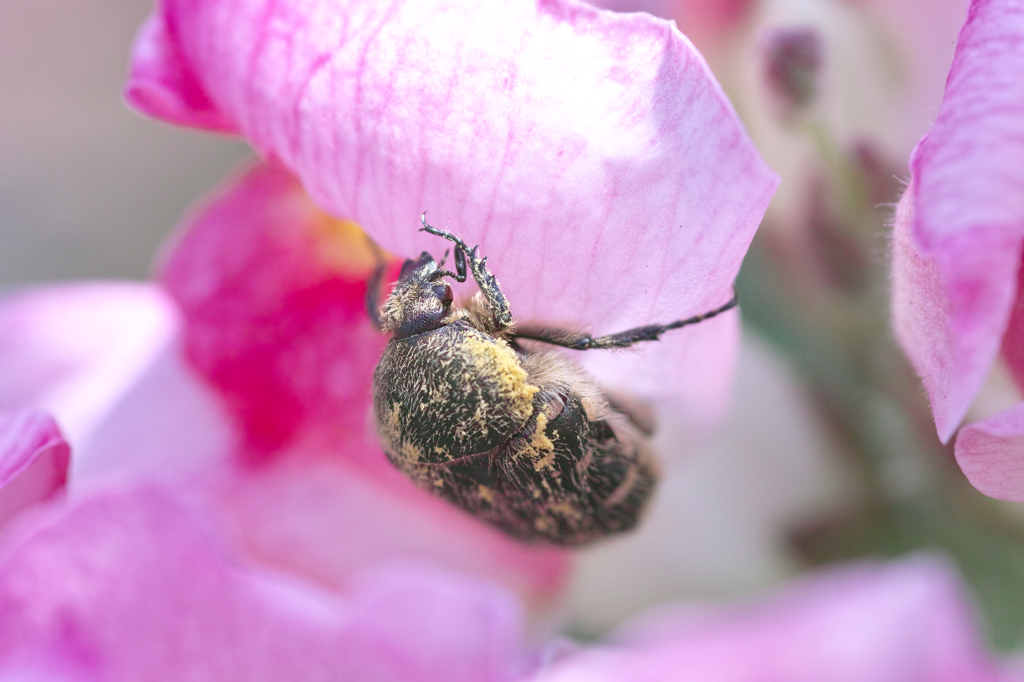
[(520, 437)]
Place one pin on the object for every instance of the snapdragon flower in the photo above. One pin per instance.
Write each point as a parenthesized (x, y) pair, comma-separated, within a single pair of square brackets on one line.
[(229, 512)]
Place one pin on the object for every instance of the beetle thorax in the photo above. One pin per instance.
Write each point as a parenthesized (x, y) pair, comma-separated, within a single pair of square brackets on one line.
[(450, 392)]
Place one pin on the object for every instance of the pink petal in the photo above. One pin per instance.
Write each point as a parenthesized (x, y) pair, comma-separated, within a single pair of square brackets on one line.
[(160, 85), (33, 460), (991, 454), (902, 622), (130, 585), (960, 224), (272, 290), (104, 359), (329, 520), (72, 349), (950, 308), (167, 423), (1013, 339), (591, 154)]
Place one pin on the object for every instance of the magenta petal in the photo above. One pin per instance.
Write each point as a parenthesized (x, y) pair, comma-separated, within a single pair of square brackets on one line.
[(131, 585), (970, 167), (591, 154), (896, 623), (961, 223), (33, 460), (991, 454), (272, 291)]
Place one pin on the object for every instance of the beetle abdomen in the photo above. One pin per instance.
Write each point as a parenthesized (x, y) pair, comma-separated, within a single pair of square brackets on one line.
[(563, 479), (447, 393)]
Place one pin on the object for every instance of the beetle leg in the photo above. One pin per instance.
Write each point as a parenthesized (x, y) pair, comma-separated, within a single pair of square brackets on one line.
[(485, 279), (582, 341), (491, 290)]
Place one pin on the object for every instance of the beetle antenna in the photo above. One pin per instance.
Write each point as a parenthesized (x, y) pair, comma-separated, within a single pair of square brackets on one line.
[(581, 341)]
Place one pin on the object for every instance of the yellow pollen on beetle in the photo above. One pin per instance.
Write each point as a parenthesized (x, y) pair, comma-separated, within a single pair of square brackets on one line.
[(481, 415), (566, 510), (547, 460), (410, 452), (393, 416), (540, 439), (495, 360)]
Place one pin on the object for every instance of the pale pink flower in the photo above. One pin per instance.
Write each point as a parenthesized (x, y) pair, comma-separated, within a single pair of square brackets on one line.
[(615, 189), (957, 245)]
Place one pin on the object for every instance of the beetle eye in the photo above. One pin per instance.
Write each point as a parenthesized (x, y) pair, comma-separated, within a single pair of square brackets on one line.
[(444, 292)]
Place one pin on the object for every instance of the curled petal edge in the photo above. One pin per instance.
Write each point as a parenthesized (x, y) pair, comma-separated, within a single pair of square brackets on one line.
[(33, 460), (160, 85)]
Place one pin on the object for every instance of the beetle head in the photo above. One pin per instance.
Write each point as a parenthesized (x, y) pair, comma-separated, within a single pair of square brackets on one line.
[(421, 300)]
